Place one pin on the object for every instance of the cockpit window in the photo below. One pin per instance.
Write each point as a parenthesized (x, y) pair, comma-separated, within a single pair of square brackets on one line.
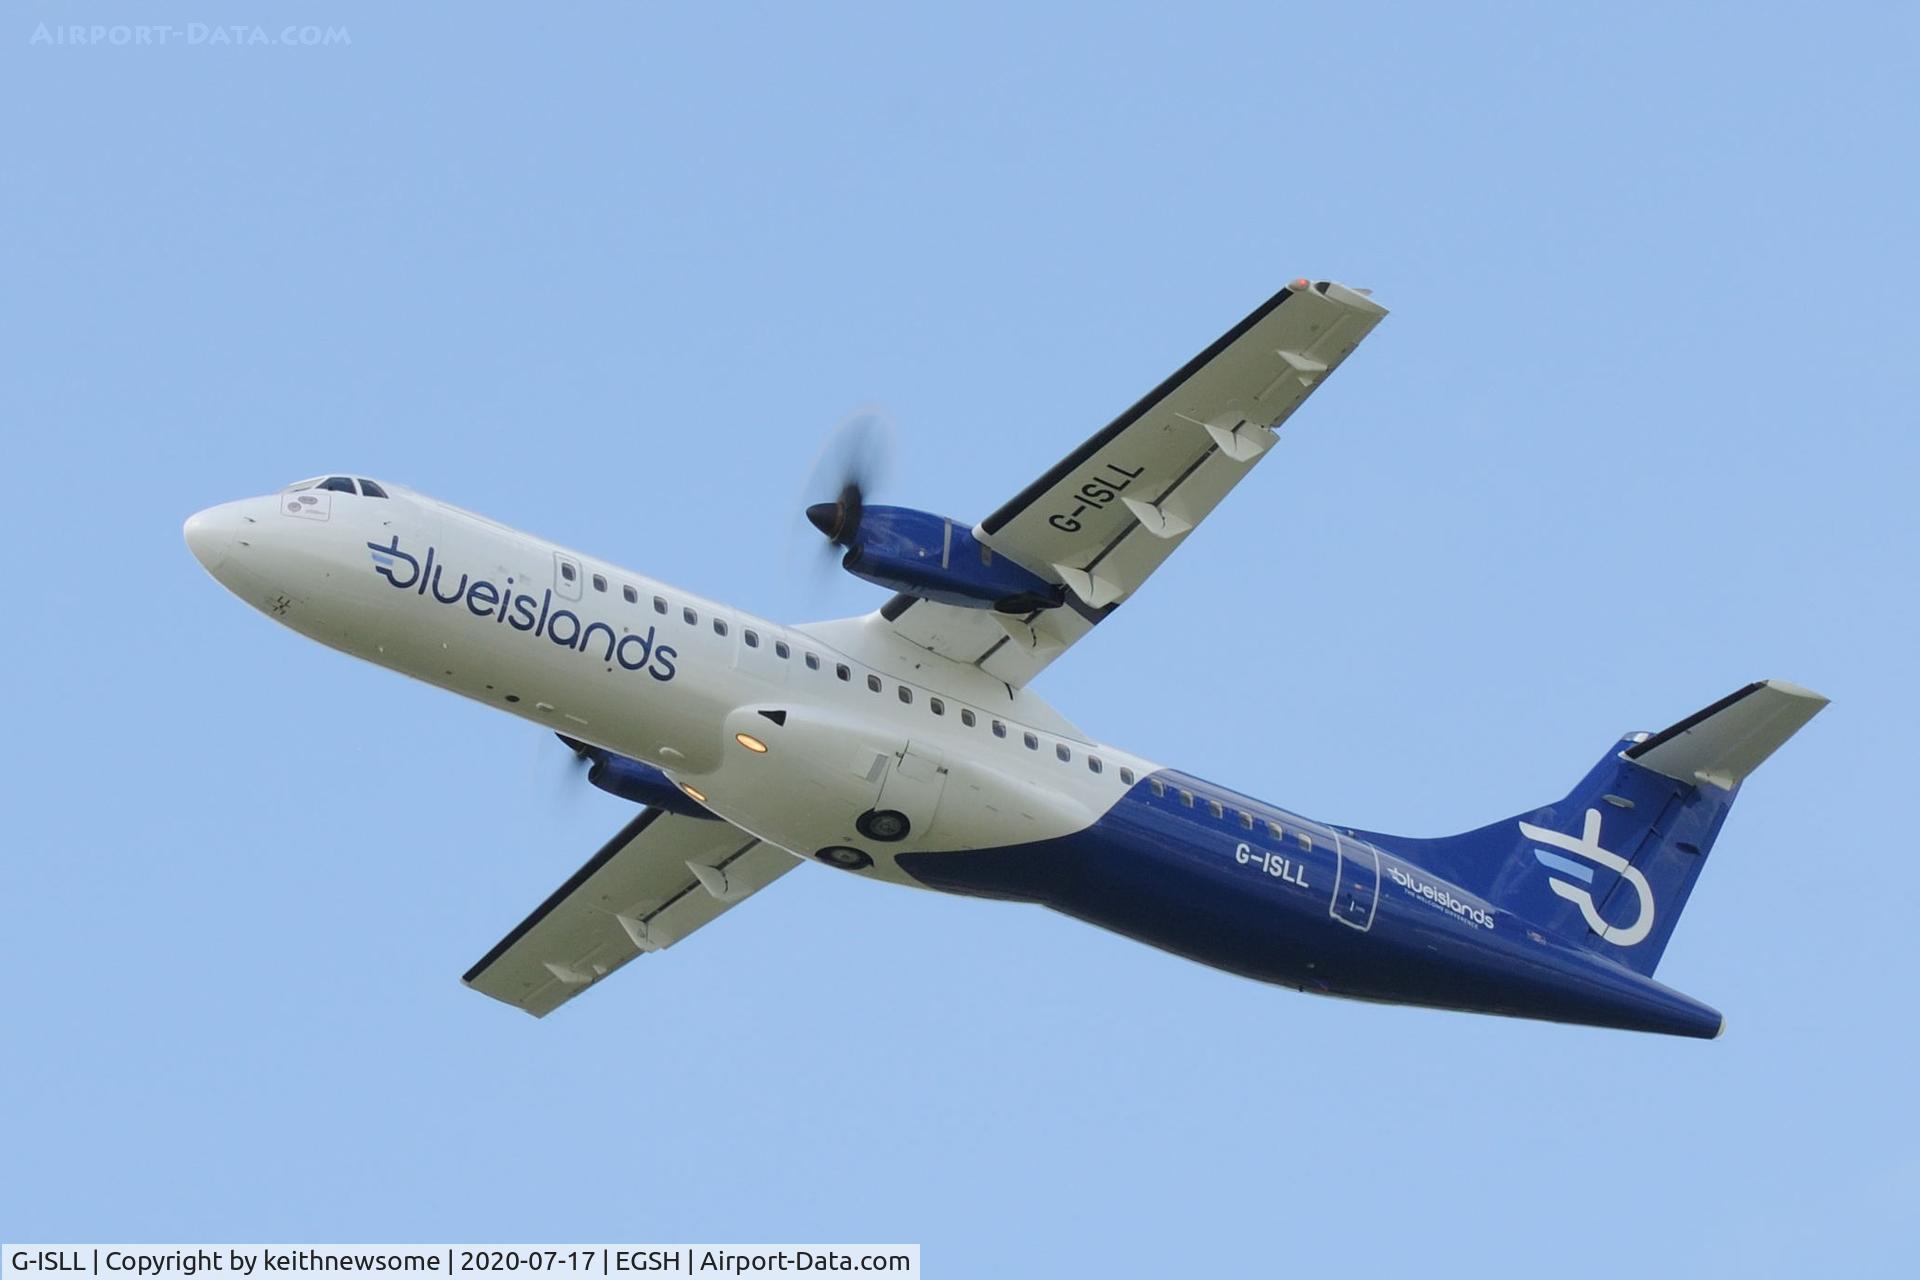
[(338, 484)]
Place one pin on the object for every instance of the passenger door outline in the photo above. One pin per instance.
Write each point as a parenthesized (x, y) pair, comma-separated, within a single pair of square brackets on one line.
[(1356, 883), (562, 587)]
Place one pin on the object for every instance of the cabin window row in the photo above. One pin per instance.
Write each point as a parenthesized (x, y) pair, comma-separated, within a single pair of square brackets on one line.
[(631, 594), (970, 719), (691, 616), (938, 706), (1246, 821)]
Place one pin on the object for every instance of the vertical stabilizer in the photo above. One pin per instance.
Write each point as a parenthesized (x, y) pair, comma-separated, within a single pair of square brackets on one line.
[(1611, 866)]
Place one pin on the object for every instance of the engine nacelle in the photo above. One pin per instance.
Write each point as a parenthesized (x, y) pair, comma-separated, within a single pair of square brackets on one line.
[(930, 556), (638, 781)]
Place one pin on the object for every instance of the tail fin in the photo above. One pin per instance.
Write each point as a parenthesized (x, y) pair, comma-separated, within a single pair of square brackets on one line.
[(1610, 867)]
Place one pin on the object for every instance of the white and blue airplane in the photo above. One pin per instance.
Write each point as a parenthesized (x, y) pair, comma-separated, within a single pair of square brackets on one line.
[(907, 745)]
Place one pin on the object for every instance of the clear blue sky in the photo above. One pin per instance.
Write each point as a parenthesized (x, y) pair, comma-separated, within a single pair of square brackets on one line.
[(1640, 429)]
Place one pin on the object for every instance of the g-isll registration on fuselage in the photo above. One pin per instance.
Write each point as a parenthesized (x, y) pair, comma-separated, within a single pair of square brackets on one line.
[(907, 745)]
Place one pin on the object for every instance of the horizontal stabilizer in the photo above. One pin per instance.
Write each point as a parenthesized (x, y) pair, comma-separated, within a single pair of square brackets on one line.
[(1727, 741)]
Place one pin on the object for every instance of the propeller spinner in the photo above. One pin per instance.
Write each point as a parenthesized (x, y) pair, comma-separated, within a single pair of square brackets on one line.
[(839, 519), (851, 464)]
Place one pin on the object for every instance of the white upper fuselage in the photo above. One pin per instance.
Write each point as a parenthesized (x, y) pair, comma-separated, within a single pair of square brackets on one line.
[(612, 657)]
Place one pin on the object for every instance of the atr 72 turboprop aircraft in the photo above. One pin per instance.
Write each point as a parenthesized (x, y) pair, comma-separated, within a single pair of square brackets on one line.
[(906, 746)]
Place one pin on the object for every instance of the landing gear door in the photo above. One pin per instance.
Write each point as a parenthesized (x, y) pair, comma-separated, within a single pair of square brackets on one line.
[(1356, 883), (916, 777)]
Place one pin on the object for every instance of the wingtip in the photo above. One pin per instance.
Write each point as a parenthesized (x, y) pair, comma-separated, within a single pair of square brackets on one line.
[(1793, 690), (1359, 300)]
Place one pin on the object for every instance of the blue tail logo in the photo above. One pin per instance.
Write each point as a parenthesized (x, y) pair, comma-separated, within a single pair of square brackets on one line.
[(1664, 796), (1587, 845)]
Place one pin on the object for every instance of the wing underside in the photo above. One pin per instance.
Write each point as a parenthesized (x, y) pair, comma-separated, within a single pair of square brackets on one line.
[(662, 877), (1102, 519)]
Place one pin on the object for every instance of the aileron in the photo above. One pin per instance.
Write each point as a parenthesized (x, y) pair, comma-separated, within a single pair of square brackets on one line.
[(662, 877)]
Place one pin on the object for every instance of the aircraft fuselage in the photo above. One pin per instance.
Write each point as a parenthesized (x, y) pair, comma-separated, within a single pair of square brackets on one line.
[(794, 733)]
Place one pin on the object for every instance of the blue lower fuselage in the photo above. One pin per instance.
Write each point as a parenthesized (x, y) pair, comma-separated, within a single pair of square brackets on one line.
[(1220, 878)]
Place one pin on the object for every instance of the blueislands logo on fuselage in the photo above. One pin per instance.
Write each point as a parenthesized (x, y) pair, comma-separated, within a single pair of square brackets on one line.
[(633, 651)]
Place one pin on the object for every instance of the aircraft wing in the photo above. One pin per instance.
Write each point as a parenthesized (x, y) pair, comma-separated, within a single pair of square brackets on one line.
[(656, 882), (1103, 518)]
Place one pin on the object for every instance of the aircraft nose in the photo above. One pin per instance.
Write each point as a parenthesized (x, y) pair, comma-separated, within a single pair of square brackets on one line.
[(209, 535)]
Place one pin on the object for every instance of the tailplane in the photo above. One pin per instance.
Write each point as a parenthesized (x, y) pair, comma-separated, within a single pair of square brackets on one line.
[(1610, 867)]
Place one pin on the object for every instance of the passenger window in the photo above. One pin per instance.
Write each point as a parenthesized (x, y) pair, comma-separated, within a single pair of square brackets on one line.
[(999, 729), (1063, 753), (843, 671), (689, 617), (1158, 787), (1186, 798), (599, 582), (936, 706), (873, 683), (630, 595), (1217, 809), (752, 638), (1093, 763), (339, 484), (966, 717), (781, 649), (1126, 776), (1246, 819), (659, 605), (813, 662), (371, 489), (719, 626), (567, 571), (1305, 843), (1032, 741), (1274, 832), (906, 694)]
